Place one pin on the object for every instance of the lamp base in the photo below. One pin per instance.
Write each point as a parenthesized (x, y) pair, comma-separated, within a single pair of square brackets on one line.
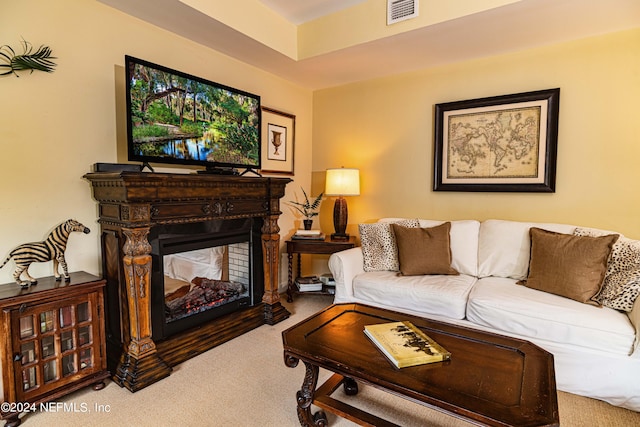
[(340, 219), (340, 237)]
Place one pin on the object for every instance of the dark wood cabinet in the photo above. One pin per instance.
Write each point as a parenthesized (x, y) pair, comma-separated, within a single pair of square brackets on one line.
[(55, 341)]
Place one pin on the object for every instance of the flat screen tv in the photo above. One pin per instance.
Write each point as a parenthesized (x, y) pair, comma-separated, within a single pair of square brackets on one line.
[(177, 118)]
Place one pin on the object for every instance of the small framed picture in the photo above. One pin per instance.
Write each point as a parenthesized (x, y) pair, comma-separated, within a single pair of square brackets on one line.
[(278, 139), (277, 143)]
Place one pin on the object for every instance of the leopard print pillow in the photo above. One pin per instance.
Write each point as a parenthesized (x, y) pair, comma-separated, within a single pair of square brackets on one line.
[(378, 243), (622, 280)]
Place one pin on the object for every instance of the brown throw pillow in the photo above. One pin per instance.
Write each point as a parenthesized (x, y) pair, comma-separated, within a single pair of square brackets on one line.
[(567, 265), (424, 250)]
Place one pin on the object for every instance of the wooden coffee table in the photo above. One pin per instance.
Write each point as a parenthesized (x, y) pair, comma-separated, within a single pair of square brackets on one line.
[(490, 380)]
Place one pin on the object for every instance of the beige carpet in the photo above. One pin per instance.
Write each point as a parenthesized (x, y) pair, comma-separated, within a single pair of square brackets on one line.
[(245, 383)]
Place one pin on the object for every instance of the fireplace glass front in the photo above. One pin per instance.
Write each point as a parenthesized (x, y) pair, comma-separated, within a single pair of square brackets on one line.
[(198, 276), (195, 281)]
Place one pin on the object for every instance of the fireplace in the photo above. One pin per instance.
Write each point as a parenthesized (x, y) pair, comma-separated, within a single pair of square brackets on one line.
[(202, 271), (147, 219)]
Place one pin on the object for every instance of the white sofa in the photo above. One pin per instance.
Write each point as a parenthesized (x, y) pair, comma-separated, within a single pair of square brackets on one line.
[(593, 347)]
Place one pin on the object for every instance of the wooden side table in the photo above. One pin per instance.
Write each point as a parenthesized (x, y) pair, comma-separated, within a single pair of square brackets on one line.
[(315, 247)]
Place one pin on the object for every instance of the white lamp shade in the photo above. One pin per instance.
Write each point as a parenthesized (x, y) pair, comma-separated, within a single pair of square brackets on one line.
[(342, 182)]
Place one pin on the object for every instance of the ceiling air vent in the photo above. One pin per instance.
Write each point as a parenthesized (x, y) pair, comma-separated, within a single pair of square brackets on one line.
[(401, 10)]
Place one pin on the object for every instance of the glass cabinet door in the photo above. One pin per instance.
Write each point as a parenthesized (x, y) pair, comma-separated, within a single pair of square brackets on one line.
[(54, 343), (26, 326)]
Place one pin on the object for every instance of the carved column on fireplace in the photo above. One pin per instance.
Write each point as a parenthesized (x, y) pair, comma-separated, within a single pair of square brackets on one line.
[(271, 249), (130, 205), (141, 350)]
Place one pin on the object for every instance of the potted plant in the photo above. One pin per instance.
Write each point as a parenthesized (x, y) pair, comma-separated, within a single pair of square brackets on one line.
[(308, 208)]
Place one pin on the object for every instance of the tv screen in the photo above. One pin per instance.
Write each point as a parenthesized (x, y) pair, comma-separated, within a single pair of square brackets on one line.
[(177, 118)]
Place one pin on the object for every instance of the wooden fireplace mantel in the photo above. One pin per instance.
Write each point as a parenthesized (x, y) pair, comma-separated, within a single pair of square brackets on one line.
[(130, 204)]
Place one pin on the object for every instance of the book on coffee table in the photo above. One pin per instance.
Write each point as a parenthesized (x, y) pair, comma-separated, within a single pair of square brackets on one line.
[(405, 345)]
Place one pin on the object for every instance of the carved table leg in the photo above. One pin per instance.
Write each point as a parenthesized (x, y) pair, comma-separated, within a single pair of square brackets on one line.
[(304, 396), (290, 278)]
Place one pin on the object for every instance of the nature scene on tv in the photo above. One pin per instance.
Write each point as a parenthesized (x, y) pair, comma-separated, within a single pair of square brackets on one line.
[(174, 117)]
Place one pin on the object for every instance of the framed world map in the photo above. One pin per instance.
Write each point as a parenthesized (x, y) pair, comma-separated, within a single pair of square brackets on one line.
[(503, 143)]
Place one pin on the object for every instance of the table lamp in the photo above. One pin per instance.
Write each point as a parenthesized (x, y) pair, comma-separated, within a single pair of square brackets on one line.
[(341, 182)]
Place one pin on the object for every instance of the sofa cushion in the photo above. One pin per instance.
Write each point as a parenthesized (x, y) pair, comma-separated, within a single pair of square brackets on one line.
[(501, 304), (379, 249), (424, 250), (622, 280), (504, 247), (426, 294), (568, 265)]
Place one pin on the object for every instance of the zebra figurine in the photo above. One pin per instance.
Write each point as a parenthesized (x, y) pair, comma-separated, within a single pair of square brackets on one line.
[(52, 248)]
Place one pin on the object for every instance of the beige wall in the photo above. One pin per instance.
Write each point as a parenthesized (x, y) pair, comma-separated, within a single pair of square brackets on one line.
[(385, 128), (54, 127)]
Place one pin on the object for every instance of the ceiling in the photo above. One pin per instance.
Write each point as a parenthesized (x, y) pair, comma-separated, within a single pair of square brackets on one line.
[(517, 26), (301, 11)]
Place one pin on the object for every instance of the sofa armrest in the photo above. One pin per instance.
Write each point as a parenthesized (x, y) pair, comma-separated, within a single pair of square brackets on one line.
[(634, 316), (345, 265)]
